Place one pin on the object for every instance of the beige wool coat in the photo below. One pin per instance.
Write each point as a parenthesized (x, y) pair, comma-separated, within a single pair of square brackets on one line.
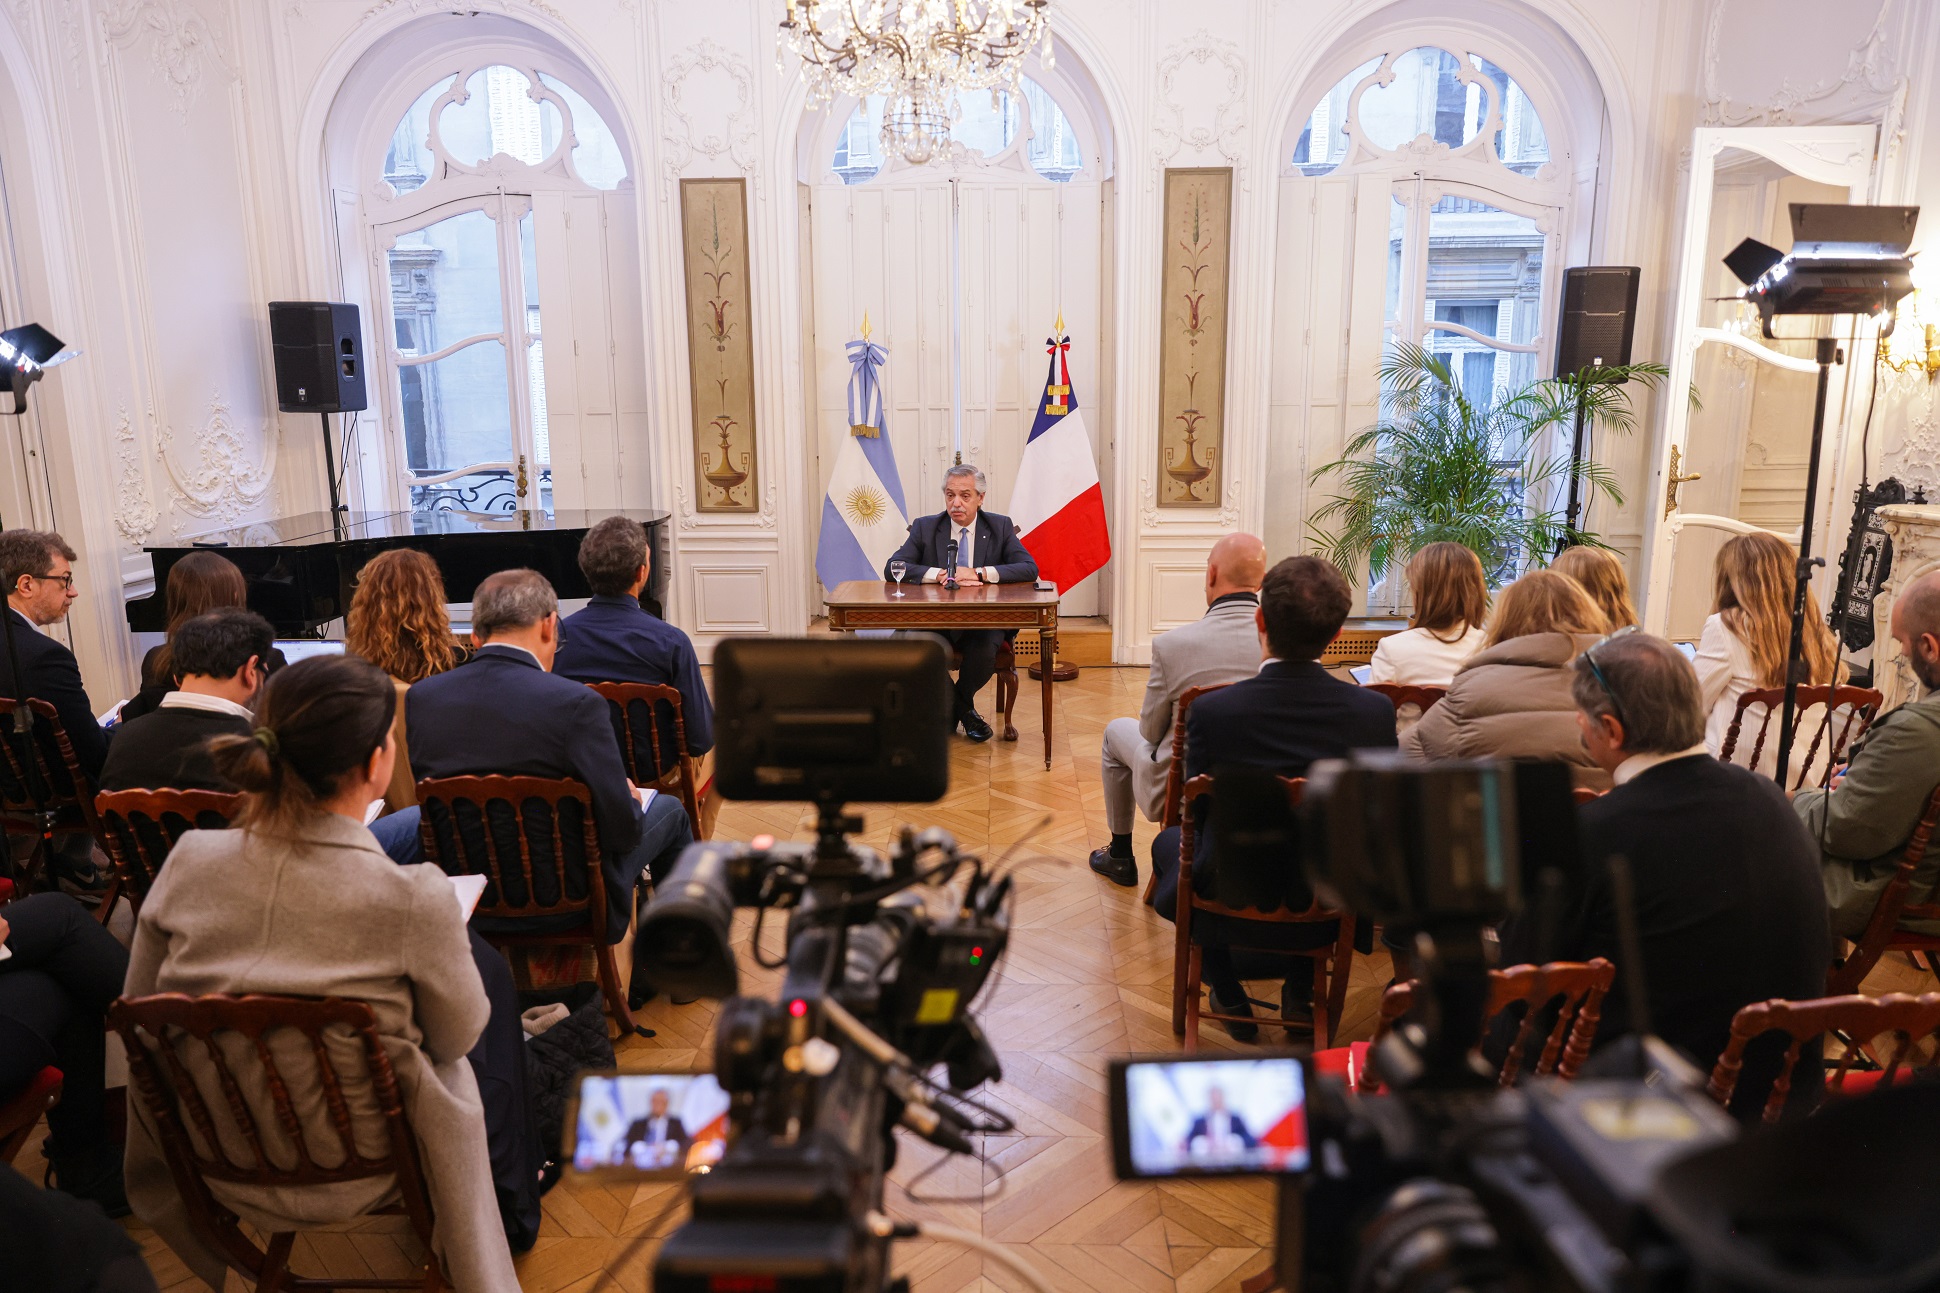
[(1512, 701), (328, 914)]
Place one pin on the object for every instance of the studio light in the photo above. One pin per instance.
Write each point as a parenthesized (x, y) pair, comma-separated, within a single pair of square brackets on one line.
[(1844, 260), (26, 353)]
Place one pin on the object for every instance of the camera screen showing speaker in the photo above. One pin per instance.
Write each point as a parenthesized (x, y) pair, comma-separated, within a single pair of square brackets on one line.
[(1210, 1117), (652, 1124)]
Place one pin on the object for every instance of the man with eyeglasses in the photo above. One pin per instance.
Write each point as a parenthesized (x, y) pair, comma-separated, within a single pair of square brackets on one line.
[(37, 566), (1725, 884)]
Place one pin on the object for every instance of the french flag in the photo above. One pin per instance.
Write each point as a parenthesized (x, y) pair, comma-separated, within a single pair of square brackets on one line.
[(1058, 505)]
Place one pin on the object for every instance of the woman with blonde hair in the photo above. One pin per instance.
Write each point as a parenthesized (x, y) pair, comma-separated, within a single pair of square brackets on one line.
[(397, 621), (1601, 576), (1512, 700), (1745, 643), (1451, 602)]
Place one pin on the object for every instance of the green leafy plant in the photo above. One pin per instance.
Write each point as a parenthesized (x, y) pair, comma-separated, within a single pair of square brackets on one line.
[(1440, 467)]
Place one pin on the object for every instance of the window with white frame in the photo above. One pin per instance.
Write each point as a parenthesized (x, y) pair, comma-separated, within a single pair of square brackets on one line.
[(466, 361), (985, 123), (1473, 214)]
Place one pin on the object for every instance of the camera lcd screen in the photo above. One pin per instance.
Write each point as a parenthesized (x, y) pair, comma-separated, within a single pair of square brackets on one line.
[(653, 1124), (1209, 1117)]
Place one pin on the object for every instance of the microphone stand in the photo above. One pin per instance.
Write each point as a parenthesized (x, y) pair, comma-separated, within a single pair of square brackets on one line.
[(949, 579)]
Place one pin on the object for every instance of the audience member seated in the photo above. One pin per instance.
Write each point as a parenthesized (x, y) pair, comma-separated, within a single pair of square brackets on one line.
[(1864, 821), (1221, 646), (1281, 720), (614, 639), (398, 622), (1601, 575), (502, 713), (197, 584), (1451, 601), (55, 1244), (988, 552), (1744, 647), (60, 975), (36, 566), (1512, 699), (1727, 900), (298, 900)]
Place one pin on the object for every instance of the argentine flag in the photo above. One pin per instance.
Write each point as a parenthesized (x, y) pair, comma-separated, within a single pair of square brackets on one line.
[(863, 516)]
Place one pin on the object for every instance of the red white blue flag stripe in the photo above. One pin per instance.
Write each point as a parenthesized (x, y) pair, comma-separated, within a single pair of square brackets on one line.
[(1059, 505)]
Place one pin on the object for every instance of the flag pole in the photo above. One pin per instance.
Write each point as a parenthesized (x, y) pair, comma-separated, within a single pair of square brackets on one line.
[(1061, 670)]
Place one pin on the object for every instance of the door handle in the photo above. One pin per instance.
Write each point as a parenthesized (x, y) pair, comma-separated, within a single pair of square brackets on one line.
[(1670, 486)]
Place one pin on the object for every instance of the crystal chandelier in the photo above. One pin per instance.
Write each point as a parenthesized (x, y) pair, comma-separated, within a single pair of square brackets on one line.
[(917, 54)]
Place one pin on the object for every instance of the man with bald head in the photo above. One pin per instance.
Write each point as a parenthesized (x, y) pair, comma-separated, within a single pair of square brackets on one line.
[(1221, 646), (1863, 822)]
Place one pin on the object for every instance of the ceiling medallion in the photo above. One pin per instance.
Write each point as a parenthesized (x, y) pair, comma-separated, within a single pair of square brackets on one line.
[(917, 54)]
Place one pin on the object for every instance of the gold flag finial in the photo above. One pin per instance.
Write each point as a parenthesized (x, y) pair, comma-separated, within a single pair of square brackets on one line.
[(865, 325), (1060, 323)]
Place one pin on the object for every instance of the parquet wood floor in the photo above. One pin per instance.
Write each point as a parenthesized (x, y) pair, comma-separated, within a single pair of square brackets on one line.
[(1087, 978)]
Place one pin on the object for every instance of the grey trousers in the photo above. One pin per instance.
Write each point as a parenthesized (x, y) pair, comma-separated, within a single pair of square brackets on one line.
[(1131, 778)]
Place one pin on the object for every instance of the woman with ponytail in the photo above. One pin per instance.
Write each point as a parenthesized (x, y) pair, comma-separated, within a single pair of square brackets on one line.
[(299, 899)]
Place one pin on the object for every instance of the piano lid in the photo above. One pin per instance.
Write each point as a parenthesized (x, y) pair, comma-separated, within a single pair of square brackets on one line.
[(314, 528)]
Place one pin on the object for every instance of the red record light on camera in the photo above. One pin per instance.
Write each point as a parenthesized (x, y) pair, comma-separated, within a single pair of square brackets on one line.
[(798, 1007)]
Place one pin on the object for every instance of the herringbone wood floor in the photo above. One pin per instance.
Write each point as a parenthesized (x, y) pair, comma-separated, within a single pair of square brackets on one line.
[(1086, 979)]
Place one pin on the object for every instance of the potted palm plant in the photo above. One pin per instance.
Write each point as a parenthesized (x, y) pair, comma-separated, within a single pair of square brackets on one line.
[(1439, 466)]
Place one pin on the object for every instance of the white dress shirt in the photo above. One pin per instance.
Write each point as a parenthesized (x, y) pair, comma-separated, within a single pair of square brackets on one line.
[(1637, 764), (214, 704)]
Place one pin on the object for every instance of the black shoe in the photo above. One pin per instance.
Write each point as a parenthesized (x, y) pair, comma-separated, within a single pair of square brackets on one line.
[(974, 726), (1238, 1032), (1297, 1012), (1120, 871), (639, 994)]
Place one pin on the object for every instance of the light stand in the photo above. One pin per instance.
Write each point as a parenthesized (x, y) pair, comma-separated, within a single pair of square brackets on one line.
[(1576, 462), (337, 509), (1829, 354)]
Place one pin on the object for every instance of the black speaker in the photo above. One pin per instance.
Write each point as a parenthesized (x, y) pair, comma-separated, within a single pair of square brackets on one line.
[(1599, 317), (319, 350)]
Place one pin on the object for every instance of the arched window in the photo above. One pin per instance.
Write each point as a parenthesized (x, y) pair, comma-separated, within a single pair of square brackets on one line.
[(469, 162), (984, 123)]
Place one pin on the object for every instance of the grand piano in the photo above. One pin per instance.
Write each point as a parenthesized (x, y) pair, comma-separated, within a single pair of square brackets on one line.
[(302, 569)]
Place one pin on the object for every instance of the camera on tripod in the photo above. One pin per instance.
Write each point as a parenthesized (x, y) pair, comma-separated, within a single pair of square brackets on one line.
[(884, 956)]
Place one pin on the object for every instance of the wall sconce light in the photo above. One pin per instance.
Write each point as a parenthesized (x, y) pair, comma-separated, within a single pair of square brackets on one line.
[(1915, 343)]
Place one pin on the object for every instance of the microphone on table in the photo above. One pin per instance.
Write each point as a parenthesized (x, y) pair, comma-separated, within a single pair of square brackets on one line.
[(949, 579)]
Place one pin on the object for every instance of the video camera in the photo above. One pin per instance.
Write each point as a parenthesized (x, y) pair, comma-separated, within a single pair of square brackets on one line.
[(883, 959), (1628, 1179)]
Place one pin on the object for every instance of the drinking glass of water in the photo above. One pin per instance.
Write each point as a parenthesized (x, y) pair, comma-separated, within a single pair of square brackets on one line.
[(897, 569)]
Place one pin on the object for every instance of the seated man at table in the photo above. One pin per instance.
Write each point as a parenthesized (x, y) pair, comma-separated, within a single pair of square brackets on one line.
[(1280, 721), (985, 550), (502, 713), (1221, 646), (1863, 823), (615, 639)]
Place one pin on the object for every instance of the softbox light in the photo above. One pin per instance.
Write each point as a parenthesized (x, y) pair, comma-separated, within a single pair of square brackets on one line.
[(26, 353)]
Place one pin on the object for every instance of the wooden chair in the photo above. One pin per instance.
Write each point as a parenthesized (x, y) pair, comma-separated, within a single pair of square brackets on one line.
[(1175, 777), (1580, 986), (183, 1051), (669, 771), (1332, 964), (139, 828), (1399, 694), (1883, 933), (1859, 705), (20, 1115), (43, 791), (536, 843), (1855, 1018)]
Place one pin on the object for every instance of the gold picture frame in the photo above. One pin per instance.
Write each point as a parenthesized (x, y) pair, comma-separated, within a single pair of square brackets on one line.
[(720, 343), (1194, 286)]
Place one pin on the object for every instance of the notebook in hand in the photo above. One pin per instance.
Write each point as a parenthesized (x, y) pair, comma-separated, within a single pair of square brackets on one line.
[(468, 889)]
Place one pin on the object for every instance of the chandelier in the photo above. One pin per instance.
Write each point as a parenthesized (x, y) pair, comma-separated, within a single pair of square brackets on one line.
[(917, 54)]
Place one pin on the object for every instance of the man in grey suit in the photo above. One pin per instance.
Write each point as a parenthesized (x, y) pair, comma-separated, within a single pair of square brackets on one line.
[(1221, 646), (1870, 812)]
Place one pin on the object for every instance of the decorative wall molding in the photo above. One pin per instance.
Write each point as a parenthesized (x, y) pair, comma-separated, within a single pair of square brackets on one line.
[(1202, 125), (1870, 65), (513, 7), (733, 135), (227, 483), (181, 44), (135, 514)]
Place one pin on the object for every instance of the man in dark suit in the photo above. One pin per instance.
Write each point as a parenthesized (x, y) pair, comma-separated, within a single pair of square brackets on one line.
[(974, 547), (660, 1138), (503, 713), (615, 639), (1725, 881), (220, 659), (1280, 721), (37, 566), (1227, 1139)]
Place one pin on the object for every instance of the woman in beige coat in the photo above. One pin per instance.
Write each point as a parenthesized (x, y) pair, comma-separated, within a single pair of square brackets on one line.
[(300, 900), (1512, 699)]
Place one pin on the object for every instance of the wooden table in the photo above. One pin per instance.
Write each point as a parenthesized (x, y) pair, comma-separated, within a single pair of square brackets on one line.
[(866, 604)]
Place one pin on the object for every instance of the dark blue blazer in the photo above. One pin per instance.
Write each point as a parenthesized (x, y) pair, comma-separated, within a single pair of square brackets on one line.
[(614, 640), (997, 545), (501, 714), (49, 672), (1282, 720)]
